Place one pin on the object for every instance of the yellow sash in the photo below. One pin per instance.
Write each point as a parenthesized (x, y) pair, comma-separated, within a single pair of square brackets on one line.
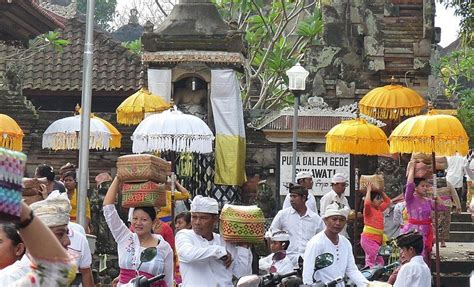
[(375, 231)]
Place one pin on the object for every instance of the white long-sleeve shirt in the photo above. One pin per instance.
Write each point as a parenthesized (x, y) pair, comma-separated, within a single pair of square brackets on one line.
[(129, 248), (329, 198), (282, 266), (344, 263), (414, 273), (310, 203), (455, 171), (200, 263), (300, 229)]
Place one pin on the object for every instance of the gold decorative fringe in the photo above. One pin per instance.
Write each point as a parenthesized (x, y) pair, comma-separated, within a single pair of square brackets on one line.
[(361, 146), (13, 142), (391, 114), (129, 118), (443, 146)]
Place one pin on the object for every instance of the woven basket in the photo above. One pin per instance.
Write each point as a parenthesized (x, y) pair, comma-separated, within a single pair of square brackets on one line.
[(143, 194), (142, 167), (242, 224), (32, 186), (376, 180), (421, 157), (12, 167), (423, 170), (441, 163)]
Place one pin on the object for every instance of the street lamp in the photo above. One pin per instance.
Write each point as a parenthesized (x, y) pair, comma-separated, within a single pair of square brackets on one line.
[(297, 77)]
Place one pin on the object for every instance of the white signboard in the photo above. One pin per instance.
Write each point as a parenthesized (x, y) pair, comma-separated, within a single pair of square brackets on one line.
[(322, 165)]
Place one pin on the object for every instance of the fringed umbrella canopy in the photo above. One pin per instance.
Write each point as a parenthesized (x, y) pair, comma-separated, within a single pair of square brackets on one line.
[(133, 109), (356, 137), (391, 102), (11, 135), (172, 130), (116, 140), (63, 134), (441, 134)]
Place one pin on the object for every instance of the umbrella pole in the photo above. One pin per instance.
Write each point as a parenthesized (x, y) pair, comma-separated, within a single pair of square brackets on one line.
[(356, 207), (173, 188), (433, 160)]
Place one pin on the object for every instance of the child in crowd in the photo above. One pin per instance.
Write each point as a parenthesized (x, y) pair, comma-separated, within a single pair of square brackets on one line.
[(277, 261), (372, 236), (183, 221)]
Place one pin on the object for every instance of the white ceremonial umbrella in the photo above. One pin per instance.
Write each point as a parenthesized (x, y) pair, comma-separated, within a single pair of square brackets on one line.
[(172, 130), (63, 134)]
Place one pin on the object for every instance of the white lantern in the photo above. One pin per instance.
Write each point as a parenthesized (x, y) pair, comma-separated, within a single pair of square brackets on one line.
[(297, 76)]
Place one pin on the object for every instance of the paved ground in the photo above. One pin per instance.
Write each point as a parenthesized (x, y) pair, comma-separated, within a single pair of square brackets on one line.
[(457, 251)]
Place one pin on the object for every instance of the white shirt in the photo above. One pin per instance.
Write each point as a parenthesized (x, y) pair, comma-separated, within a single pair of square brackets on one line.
[(329, 198), (344, 263), (200, 263), (455, 170), (414, 273), (129, 248), (310, 203), (15, 272), (300, 229), (282, 266), (79, 248)]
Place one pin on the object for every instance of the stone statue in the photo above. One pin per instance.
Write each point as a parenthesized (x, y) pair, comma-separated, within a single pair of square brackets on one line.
[(192, 98)]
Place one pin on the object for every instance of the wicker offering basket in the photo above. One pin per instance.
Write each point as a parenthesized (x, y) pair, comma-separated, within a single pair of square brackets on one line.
[(12, 167), (143, 194), (242, 224), (376, 180), (142, 167)]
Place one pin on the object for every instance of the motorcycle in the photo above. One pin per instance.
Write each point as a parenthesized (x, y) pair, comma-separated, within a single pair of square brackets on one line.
[(380, 273), (141, 281), (273, 279)]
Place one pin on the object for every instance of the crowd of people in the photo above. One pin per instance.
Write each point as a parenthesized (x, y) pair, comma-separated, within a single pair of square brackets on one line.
[(47, 248)]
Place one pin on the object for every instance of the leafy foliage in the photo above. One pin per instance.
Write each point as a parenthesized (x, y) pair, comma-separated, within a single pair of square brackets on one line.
[(456, 71), (103, 13), (134, 46), (277, 33)]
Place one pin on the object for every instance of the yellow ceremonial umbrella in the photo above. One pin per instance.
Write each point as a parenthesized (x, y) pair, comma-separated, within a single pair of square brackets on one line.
[(133, 109), (391, 102), (356, 137), (431, 133), (115, 141), (11, 135), (116, 136)]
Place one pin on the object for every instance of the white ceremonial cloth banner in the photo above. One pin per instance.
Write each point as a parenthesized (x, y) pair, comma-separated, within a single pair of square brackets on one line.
[(159, 83)]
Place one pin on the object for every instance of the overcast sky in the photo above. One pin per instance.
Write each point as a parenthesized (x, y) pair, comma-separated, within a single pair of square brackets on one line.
[(444, 18)]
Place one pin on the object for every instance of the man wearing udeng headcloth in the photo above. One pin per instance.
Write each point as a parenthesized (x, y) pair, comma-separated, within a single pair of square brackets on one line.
[(205, 259), (330, 241)]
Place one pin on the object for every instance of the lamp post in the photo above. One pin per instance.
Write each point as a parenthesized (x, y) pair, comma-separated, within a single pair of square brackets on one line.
[(297, 83)]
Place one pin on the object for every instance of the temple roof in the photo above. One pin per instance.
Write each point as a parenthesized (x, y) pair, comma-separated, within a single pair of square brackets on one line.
[(193, 25), (25, 19), (114, 67)]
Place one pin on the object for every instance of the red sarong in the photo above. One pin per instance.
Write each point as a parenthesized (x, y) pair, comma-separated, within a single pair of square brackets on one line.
[(128, 274), (428, 244)]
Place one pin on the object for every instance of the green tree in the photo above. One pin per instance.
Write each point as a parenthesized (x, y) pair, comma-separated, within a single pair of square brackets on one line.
[(456, 71), (104, 11), (277, 33)]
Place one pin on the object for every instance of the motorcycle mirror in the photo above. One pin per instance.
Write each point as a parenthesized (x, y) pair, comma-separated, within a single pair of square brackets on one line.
[(249, 281), (323, 260), (148, 254)]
